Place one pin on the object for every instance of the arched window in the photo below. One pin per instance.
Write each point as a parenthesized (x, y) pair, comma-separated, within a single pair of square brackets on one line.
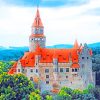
[(31, 78)]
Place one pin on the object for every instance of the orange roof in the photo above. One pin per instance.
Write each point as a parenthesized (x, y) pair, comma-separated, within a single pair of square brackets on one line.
[(28, 59), (76, 46), (55, 91), (36, 35), (75, 65), (47, 56), (62, 55), (37, 21), (13, 69)]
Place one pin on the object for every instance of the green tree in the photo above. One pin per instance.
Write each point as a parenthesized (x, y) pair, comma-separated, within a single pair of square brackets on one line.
[(48, 97), (16, 86), (34, 96)]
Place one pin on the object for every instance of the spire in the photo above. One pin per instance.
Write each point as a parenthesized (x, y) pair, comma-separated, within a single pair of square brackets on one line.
[(37, 21), (76, 46)]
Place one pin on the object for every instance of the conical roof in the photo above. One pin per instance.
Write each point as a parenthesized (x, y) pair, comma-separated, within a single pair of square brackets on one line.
[(37, 21)]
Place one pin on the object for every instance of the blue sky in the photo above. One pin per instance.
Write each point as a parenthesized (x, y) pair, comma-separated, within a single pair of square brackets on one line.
[(46, 3), (64, 21)]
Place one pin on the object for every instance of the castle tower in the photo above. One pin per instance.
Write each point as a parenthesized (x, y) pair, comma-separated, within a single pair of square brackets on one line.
[(37, 34)]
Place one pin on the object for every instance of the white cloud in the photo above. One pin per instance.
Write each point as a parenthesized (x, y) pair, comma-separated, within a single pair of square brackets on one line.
[(62, 25)]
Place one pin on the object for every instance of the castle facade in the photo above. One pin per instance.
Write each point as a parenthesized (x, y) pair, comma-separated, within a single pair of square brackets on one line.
[(54, 68)]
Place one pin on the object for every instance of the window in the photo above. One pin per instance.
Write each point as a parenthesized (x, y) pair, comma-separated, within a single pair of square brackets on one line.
[(36, 70), (82, 57), (23, 70), (31, 70), (47, 76), (66, 76), (72, 70), (31, 78), (47, 82), (18, 70), (67, 69), (75, 70), (61, 69), (55, 69), (83, 65), (46, 70)]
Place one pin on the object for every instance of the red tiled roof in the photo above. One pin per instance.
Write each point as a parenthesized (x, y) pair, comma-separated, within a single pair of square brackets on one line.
[(36, 35), (37, 21), (63, 55), (75, 65), (28, 59)]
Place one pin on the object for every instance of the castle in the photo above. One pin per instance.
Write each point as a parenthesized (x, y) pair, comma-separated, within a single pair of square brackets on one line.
[(54, 68)]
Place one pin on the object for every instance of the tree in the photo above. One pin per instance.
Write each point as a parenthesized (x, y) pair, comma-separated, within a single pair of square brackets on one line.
[(16, 86), (45, 93), (34, 96)]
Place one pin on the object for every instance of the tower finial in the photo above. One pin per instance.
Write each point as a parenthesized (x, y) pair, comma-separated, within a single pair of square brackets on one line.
[(38, 3)]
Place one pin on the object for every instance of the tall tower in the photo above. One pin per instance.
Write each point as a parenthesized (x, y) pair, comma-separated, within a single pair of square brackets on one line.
[(37, 34)]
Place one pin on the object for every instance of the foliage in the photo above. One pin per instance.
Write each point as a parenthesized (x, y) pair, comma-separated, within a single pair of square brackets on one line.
[(48, 97), (16, 86), (76, 94), (34, 96), (5, 66), (45, 93)]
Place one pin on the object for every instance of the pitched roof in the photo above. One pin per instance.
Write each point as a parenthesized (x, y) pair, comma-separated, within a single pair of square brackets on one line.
[(28, 60), (63, 55)]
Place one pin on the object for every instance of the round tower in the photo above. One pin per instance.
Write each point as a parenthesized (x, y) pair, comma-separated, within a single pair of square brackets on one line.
[(37, 34)]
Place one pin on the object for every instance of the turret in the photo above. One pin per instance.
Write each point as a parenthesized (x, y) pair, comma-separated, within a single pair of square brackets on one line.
[(85, 61), (76, 46), (37, 33)]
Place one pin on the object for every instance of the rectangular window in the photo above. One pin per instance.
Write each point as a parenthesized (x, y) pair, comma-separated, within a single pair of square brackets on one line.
[(31, 70), (67, 69), (47, 76), (75, 70), (61, 69), (46, 70), (18, 70), (66, 76), (47, 82), (31, 78), (36, 70), (23, 70), (83, 65), (55, 69), (72, 70)]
